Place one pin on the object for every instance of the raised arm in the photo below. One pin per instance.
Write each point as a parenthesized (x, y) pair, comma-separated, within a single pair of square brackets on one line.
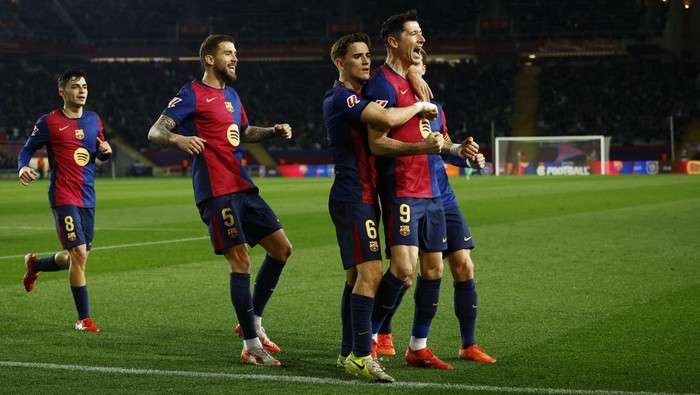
[(162, 134)]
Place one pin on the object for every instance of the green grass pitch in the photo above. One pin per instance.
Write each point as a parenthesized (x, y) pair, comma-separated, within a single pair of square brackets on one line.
[(586, 285)]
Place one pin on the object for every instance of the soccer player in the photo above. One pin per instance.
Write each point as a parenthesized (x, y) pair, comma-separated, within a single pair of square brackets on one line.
[(458, 254), (353, 203), (212, 123), (411, 208), (74, 140)]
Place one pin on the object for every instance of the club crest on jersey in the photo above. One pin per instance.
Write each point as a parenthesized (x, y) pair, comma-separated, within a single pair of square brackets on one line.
[(382, 103), (81, 156), (71, 236), (173, 102), (79, 134), (232, 233), (374, 246), (229, 106), (405, 230), (352, 100)]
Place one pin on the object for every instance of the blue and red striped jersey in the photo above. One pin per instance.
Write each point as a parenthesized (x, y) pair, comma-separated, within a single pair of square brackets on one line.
[(71, 144), (406, 176), (355, 174), (439, 124), (217, 116)]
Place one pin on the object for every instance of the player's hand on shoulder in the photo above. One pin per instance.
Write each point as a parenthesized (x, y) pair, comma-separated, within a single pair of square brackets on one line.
[(193, 145), (283, 130), (434, 142), (27, 175)]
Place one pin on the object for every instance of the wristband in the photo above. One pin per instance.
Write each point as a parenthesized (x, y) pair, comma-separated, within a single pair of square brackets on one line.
[(455, 150)]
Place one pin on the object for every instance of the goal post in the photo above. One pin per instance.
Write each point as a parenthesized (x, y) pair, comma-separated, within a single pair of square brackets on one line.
[(552, 155)]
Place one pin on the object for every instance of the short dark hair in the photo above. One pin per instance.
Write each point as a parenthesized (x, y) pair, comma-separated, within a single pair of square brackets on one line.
[(71, 73), (211, 44), (340, 47), (393, 26)]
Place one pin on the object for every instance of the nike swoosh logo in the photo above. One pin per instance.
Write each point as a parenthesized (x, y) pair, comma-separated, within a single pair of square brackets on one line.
[(362, 367), (63, 128), (403, 92), (362, 333), (387, 307), (444, 240), (467, 238), (211, 100), (473, 306), (435, 304), (249, 310)]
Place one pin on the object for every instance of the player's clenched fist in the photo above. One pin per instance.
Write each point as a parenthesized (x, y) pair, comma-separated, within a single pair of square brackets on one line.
[(434, 142), (193, 145), (27, 175), (283, 130), (479, 161)]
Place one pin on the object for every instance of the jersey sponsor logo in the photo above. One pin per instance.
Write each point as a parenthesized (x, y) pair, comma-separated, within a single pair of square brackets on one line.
[(382, 103), (79, 134), (173, 102), (211, 99), (374, 246), (352, 100), (405, 230), (233, 135), (81, 156), (403, 92), (229, 106), (232, 233), (63, 128), (425, 130)]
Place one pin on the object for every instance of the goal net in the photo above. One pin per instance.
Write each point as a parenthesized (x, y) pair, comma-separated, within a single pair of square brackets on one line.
[(552, 155)]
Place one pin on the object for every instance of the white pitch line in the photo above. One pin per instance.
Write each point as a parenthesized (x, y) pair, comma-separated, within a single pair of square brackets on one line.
[(318, 380), (118, 246)]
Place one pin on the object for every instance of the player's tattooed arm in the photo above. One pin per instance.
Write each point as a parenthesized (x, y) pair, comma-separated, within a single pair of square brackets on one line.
[(256, 134), (162, 134)]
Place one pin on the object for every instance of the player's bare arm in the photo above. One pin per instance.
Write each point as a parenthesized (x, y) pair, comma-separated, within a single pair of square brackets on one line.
[(388, 118), (382, 145), (256, 134), (161, 134)]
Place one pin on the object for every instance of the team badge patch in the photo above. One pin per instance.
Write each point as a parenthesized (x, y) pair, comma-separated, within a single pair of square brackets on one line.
[(405, 230), (173, 102), (79, 134), (232, 233), (374, 246), (229, 106), (71, 236), (352, 100)]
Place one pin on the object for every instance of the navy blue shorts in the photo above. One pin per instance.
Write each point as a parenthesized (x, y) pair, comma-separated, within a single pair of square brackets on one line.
[(357, 231), (459, 237), (75, 225), (415, 222), (238, 218)]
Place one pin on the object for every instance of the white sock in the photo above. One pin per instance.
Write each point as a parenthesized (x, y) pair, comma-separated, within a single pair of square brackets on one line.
[(418, 344), (252, 343), (257, 320)]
